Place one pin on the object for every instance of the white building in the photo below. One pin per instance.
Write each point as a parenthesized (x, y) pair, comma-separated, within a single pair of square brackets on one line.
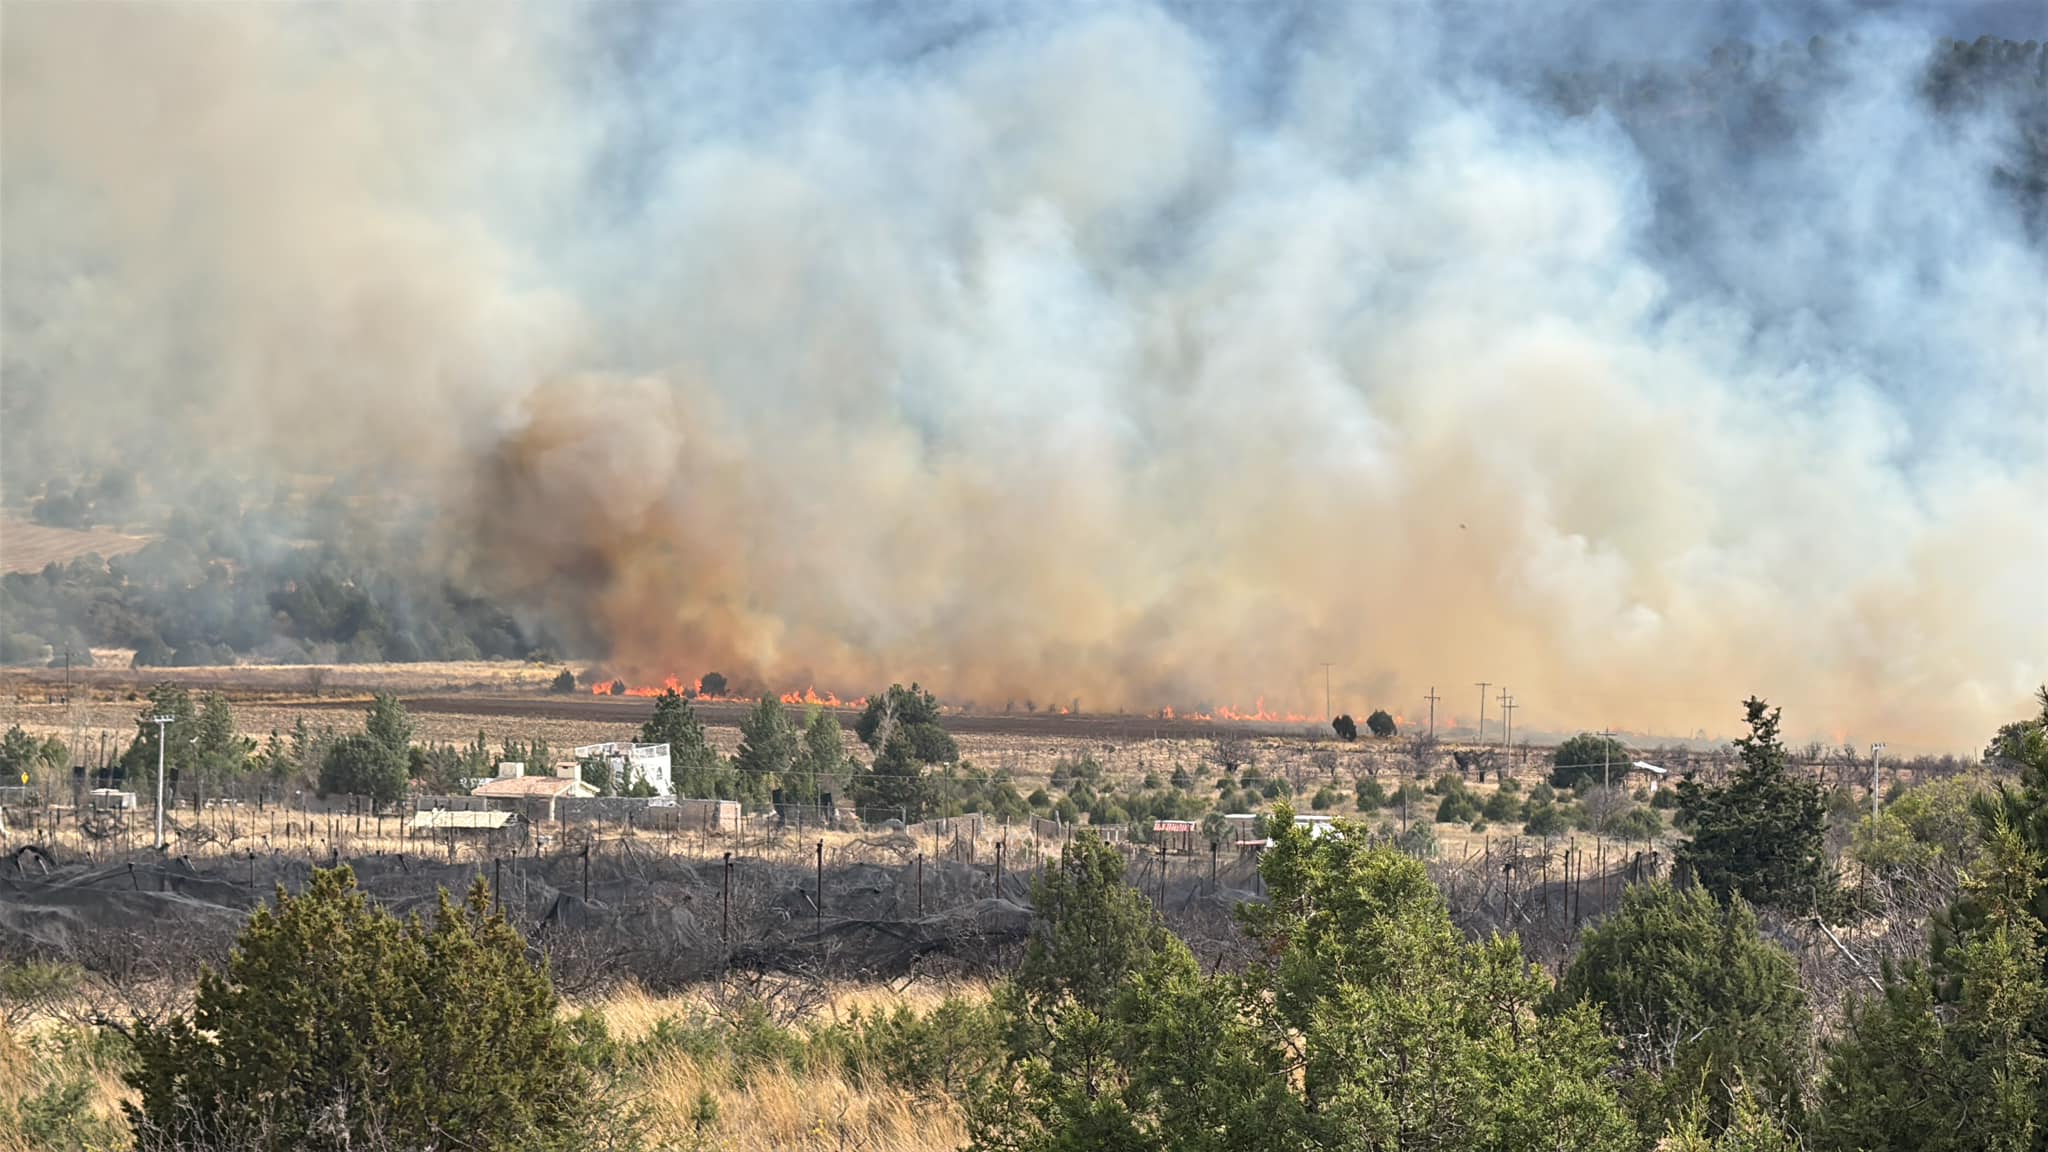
[(633, 764)]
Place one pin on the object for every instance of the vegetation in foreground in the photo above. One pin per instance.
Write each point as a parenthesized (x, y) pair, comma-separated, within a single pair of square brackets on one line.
[(1366, 1021)]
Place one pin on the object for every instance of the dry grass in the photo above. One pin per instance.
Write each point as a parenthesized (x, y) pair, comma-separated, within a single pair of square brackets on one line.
[(42, 1059), (712, 1102), (687, 1101), (27, 547)]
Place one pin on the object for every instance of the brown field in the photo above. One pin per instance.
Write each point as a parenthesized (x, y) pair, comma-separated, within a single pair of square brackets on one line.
[(27, 547)]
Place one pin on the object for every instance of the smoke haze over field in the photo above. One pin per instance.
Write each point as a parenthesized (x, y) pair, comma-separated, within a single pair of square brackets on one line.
[(1135, 354)]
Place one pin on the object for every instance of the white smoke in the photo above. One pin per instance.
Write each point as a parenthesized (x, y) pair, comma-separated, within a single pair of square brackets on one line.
[(1134, 355)]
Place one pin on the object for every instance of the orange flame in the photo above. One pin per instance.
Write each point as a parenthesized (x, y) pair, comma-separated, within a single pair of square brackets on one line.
[(810, 698)]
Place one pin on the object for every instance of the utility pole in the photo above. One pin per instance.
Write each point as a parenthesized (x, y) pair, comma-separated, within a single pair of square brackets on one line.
[(1508, 710), (162, 727), (1876, 750), (1483, 686), (1504, 698), (1432, 698), (1326, 692)]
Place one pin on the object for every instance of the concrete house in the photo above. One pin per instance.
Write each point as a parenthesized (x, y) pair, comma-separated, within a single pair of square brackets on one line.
[(533, 797)]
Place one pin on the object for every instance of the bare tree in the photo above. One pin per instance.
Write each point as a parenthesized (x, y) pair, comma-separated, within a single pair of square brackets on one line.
[(1230, 751)]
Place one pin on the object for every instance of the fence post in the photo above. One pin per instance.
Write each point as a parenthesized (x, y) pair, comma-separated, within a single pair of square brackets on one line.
[(999, 869), (920, 884), (725, 906), (820, 912)]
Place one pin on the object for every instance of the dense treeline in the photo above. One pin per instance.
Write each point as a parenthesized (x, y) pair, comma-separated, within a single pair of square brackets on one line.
[(332, 578)]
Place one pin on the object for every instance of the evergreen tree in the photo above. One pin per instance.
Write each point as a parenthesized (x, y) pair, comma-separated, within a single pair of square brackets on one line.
[(695, 768), (1707, 1010), (1762, 836), (360, 765), (1371, 1024), (768, 745), (139, 762), (893, 785), (219, 755), (914, 713), (1588, 758), (821, 761), (1911, 1073), (336, 1025), (1091, 933), (389, 725), (1886, 1084)]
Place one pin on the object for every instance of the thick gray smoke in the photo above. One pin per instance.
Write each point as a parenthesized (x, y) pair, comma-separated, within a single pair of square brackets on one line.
[(1139, 355)]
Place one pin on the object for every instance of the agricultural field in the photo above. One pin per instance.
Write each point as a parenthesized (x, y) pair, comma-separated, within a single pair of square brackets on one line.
[(29, 547)]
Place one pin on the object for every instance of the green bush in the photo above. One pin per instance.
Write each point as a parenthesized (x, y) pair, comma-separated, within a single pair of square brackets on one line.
[(1585, 758), (1706, 1007), (1501, 807), (1545, 820), (359, 765), (1638, 823), (337, 1025), (1324, 799), (1370, 796), (1457, 808)]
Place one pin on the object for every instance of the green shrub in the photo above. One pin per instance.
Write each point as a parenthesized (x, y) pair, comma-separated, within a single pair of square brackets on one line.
[(1324, 799), (1545, 820), (335, 1024), (1708, 1007), (1370, 796), (1456, 808), (1501, 807), (1586, 758)]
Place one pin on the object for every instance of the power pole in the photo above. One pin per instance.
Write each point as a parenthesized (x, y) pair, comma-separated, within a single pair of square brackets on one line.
[(162, 726), (1504, 698), (1326, 692), (1432, 698), (1876, 750), (1508, 709), (1483, 686)]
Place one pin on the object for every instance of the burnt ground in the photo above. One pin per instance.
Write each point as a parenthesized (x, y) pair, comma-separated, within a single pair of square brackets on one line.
[(632, 710), (664, 921)]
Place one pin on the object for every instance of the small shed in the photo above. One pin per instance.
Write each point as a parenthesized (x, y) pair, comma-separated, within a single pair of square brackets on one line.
[(112, 799), (1177, 835), (686, 815), (497, 826)]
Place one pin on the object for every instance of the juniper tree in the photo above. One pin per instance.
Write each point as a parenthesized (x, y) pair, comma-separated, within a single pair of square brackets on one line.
[(1762, 836), (336, 1025)]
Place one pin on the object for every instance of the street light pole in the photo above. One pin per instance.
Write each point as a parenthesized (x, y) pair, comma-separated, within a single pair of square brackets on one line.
[(162, 726)]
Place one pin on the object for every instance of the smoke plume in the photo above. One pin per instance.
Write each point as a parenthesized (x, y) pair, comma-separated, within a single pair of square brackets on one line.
[(1127, 354)]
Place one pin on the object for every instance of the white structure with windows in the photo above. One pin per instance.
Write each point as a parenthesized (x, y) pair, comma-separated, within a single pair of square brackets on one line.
[(633, 764)]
